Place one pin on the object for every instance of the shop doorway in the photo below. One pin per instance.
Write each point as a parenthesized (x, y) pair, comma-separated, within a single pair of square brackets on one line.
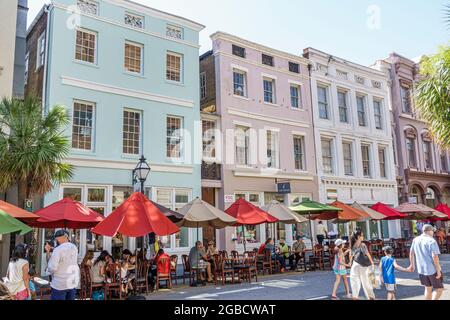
[(209, 196)]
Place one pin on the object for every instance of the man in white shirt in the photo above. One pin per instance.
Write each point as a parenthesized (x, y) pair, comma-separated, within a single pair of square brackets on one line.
[(321, 232), (63, 266)]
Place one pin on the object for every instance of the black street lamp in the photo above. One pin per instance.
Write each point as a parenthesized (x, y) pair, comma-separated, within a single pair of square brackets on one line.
[(141, 172)]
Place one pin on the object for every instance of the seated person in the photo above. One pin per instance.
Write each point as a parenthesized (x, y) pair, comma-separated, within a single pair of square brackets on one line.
[(440, 236), (298, 249), (98, 268), (280, 258), (284, 249), (262, 248), (160, 254), (128, 270), (196, 255)]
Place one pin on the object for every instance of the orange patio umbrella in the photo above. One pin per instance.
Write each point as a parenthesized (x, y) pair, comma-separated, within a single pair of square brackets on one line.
[(347, 213), (17, 213)]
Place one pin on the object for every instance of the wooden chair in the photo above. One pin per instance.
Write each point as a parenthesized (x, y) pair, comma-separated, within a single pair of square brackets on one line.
[(227, 269), (267, 263), (173, 267), (141, 280), (248, 270), (187, 271), (90, 286), (223, 254), (114, 281), (234, 254), (302, 265), (163, 272), (316, 260)]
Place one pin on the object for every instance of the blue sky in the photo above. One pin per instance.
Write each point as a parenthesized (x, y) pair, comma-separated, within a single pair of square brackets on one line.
[(361, 31)]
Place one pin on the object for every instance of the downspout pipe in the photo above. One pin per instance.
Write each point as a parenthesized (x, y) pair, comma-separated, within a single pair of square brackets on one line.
[(47, 10)]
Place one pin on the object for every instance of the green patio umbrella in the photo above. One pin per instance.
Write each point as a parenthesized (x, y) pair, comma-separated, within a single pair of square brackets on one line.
[(9, 224), (310, 207)]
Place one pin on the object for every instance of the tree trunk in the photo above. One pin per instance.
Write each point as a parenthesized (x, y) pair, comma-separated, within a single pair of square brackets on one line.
[(22, 193)]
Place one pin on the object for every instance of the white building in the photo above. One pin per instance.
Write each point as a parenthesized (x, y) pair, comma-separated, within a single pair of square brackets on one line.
[(354, 148)]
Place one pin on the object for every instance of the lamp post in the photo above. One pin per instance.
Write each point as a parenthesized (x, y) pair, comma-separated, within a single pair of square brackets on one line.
[(141, 172)]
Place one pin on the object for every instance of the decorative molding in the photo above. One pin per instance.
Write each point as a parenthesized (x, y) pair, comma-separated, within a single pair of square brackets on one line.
[(124, 92), (134, 20), (88, 6), (127, 165), (174, 32), (272, 174), (266, 118), (360, 80)]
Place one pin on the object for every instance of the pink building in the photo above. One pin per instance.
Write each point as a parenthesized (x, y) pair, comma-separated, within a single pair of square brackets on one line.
[(258, 98)]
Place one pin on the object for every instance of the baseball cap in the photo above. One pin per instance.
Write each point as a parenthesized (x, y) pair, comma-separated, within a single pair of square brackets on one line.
[(338, 242), (60, 233), (428, 227)]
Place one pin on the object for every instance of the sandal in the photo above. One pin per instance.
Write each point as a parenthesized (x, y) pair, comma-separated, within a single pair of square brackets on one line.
[(334, 298)]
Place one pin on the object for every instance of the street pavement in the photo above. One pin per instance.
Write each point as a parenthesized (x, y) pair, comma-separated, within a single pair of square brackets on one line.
[(298, 286)]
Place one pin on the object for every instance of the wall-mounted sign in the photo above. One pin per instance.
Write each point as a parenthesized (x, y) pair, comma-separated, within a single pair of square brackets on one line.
[(229, 198), (28, 205), (332, 195), (284, 188), (412, 200)]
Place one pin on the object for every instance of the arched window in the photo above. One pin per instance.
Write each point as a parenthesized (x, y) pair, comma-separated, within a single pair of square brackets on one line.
[(431, 198), (416, 193)]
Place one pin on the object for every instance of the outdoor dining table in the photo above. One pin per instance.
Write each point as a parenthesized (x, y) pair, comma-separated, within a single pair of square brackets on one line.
[(201, 267)]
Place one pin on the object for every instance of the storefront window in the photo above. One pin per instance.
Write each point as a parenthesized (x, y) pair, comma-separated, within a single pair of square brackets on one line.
[(385, 229), (303, 229), (73, 193), (362, 226), (96, 195), (281, 231), (373, 226), (252, 233), (119, 242), (95, 242)]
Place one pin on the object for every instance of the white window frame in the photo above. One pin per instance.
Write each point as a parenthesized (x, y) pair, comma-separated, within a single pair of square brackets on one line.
[(381, 116), (247, 145), (364, 112), (140, 131), (244, 76), (275, 139), (203, 86), (40, 53), (369, 160), (352, 156), (345, 107), (327, 102), (94, 124), (302, 155), (332, 154), (213, 141), (384, 149), (427, 150), (299, 95), (178, 55), (95, 45), (181, 130), (274, 95), (141, 47)]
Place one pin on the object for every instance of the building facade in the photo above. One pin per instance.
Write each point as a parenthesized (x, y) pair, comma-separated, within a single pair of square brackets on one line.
[(128, 75), (422, 166), (13, 26), (259, 99), (350, 105)]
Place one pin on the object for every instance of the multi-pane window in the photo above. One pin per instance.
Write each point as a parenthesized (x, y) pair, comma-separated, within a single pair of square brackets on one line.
[(82, 125), (377, 114), (365, 153), (209, 138), (322, 94), (382, 160), (427, 155), (405, 93), (272, 149), (343, 108), (88, 6), (133, 57), (40, 51), (174, 67), (86, 45), (27, 63), (361, 106), (202, 85), (294, 67), (242, 145), (444, 161), (174, 137), (238, 51), (411, 149), (174, 32), (327, 156), (240, 83), (269, 90), (348, 158), (134, 20), (267, 60), (131, 131), (299, 153), (295, 96)]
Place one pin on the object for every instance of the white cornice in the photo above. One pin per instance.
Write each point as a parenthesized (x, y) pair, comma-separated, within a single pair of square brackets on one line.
[(266, 118), (259, 47), (257, 173), (122, 25), (127, 165), (130, 5), (124, 92)]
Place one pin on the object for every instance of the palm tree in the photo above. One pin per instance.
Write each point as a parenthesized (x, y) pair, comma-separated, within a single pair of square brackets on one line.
[(32, 147), (432, 95)]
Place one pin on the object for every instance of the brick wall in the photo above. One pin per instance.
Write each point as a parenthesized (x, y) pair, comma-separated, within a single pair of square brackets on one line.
[(207, 65)]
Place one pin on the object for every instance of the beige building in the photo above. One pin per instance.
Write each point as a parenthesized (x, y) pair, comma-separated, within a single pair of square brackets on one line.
[(8, 21)]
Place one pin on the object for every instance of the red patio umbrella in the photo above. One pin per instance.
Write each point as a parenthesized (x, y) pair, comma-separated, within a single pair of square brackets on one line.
[(136, 217), (390, 213), (68, 214), (248, 214), (445, 209)]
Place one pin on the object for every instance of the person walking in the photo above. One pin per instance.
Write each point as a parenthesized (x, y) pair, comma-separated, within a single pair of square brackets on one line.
[(340, 268), (321, 232), (424, 255), (388, 265), (18, 281), (63, 266), (361, 261)]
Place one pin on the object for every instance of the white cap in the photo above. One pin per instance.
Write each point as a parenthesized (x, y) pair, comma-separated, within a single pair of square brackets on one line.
[(338, 242)]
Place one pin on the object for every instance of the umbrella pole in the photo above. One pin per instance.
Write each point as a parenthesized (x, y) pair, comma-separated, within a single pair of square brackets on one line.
[(311, 230), (244, 241)]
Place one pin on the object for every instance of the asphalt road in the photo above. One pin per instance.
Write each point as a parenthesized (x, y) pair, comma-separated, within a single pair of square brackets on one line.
[(298, 286)]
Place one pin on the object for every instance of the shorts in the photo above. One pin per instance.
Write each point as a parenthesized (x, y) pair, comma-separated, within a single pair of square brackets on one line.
[(391, 287), (342, 272), (432, 281)]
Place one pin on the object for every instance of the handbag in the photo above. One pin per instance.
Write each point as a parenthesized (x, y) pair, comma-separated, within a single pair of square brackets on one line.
[(361, 258)]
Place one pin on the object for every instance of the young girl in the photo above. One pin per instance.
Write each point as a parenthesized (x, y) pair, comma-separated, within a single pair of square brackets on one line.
[(340, 268)]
